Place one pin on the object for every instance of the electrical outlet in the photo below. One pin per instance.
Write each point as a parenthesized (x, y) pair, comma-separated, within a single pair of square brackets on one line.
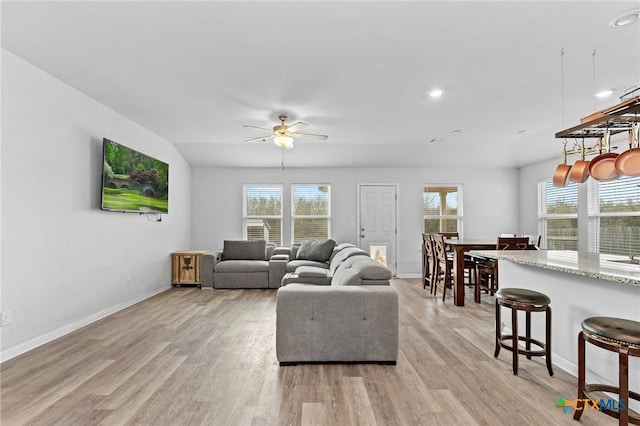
[(6, 318), (127, 281)]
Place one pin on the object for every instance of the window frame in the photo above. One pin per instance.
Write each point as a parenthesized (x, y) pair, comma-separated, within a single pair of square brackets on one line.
[(293, 216), (544, 215), (458, 217), (246, 217)]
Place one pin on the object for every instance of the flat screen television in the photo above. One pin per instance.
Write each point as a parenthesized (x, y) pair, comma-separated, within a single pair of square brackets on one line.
[(132, 181)]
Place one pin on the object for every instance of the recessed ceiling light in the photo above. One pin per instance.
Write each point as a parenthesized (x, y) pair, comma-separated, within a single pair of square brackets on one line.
[(604, 93), (626, 18), (436, 93)]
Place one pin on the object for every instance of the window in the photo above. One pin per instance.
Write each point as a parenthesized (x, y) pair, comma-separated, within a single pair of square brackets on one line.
[(310, 212), (614, 216), (262, 216), (442, 208), (558, 216)]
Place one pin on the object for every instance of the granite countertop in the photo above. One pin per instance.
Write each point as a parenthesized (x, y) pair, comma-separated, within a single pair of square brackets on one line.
[(587, 264)]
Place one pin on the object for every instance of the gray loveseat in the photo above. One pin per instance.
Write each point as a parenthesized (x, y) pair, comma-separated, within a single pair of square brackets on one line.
[(352, 319), (244, 264)]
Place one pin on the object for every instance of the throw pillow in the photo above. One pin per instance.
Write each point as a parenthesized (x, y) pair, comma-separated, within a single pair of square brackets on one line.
[(318, 250)]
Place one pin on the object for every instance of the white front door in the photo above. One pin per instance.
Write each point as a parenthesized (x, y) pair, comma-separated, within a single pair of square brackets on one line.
[(378, 228)]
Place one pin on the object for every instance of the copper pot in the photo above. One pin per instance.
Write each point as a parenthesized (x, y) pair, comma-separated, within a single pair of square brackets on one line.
[(580, 170), (562, 171), (628, 163), (602, 167)]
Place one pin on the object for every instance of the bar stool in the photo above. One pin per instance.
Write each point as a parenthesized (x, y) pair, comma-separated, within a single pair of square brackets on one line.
[(616, 335), (518, 299)]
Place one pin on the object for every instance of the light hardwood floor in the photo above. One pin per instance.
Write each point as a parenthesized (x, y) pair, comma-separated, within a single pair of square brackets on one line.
[(190, 356)]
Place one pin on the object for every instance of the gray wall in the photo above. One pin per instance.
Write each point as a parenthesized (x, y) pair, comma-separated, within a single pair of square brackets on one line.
[(64, 261), (490, 202)]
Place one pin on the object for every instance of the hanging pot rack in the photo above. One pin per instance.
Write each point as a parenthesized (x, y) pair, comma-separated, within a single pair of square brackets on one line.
[(623, 117), (616, 119)]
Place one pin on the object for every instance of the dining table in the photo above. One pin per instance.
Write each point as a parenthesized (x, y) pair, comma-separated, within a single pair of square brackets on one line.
[(460, 247)]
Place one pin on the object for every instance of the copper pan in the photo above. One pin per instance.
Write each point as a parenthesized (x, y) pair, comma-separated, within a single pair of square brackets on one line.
[(562, 171), (628, 163), (580, 170), (602, 167)]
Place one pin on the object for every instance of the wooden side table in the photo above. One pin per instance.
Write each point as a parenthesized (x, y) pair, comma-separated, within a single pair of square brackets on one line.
[(185, 267)]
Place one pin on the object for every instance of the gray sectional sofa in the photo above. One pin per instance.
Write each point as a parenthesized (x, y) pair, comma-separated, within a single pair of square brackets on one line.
[(349, 313), (244, 264), (334, 303)]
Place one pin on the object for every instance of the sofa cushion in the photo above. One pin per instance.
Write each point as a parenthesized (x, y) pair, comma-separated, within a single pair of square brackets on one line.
[(292, 277), (361, 270), (338, 248), (296, 263), (312, 272), (369, 269), (346, 277), (318, 250), (244, 250), (344, 255), (242, 266)]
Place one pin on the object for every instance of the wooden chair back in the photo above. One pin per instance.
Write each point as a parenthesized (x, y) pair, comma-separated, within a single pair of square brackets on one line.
[(534, 240), (512, 243)]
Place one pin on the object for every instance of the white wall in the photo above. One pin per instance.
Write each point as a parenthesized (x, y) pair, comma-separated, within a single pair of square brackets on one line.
[(490, 202), (64, 261)]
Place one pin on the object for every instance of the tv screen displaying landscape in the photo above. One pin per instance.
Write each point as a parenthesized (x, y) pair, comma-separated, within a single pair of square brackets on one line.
[(132, 181)]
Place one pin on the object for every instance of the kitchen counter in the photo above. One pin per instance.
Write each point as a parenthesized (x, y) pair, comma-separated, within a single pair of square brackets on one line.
[(593, 265), (580, 285)]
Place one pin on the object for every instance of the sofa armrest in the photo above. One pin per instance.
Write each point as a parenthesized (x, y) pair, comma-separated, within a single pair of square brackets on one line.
[(209, 261), (277, 269), (283, 250)]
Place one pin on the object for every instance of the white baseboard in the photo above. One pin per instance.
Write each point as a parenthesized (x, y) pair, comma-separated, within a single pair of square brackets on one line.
[(52, 335), (407, 275)]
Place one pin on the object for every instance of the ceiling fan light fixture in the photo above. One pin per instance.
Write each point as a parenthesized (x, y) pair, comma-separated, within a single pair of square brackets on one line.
[(283, 141)]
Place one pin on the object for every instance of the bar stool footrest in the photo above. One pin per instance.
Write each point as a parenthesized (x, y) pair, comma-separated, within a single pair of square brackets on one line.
[(522, 351), (595, 391)]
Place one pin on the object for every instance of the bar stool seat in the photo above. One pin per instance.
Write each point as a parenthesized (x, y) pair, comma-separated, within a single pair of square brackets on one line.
[(616, 335), (519, 299)]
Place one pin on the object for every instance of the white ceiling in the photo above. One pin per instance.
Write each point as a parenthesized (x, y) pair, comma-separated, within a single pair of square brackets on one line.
[(195, 72)]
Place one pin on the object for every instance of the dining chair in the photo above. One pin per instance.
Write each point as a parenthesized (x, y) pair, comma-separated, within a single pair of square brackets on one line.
[(443, 268), (487, 269), (428, 261), (534, 240), (469, 263)]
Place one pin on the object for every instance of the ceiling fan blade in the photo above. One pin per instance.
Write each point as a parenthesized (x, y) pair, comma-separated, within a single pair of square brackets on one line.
[(256, 127), (297, 126), (259, 139), (311, 136)]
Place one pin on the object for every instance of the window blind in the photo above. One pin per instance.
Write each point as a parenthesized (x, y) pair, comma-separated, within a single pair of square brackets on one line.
[(262, 216), (614, 216), (558, 216), (311, 212)]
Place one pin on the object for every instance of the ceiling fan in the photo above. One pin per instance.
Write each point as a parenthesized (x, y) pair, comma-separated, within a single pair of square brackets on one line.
[(284, 134)]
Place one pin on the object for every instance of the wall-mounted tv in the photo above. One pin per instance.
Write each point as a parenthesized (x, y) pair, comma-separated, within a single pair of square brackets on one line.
[(132, 181)]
